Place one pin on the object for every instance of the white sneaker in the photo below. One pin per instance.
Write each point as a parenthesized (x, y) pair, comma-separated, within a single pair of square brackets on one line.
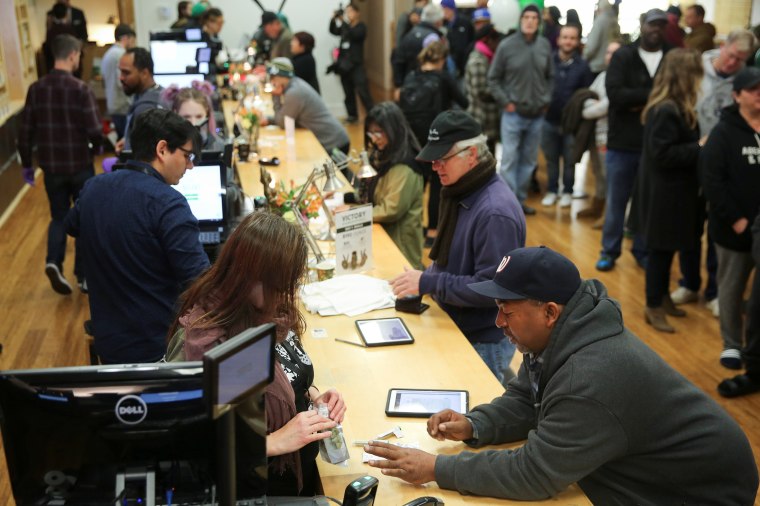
[(549, 199), (683, 295), (566, 200), (712, 305)]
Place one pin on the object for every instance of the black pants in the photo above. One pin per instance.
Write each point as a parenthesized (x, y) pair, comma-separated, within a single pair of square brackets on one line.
[(62, 191), (752, 326), (355, 81), (658, 276)]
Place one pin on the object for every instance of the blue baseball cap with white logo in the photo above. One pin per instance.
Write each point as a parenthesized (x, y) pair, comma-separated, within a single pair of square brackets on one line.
[(537, 273)]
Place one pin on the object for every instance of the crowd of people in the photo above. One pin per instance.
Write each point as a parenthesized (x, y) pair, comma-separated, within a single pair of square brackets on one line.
[(671, 126)]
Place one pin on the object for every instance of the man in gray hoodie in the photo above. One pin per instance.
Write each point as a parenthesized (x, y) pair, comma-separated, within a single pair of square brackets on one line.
[(596, 405), (521, 80)]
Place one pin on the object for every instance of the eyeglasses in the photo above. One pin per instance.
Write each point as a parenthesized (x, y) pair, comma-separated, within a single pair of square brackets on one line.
[(189, 155), (445, 159), (375, 134)]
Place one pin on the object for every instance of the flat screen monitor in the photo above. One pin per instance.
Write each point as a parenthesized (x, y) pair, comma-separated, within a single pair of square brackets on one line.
[(205, 188), (174, 56), (179, 80), (239, 366), (68, 432)]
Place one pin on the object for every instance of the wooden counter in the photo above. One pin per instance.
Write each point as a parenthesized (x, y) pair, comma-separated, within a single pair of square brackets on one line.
[(440, 358)]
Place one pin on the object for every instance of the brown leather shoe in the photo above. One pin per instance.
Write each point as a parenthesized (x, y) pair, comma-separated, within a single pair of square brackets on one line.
[(655, 316), (595, 210), (670, 308)]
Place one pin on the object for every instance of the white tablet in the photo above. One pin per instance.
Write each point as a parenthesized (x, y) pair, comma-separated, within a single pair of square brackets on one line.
[(415, 402), (384, 332)]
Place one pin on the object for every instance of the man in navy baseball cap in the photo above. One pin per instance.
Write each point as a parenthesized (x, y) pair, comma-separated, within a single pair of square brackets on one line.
[(531, 288), (592, 403)]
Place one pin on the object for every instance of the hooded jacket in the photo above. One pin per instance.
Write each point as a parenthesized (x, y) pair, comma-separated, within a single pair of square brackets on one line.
[(715, 94), (610, 414), (730, 167)]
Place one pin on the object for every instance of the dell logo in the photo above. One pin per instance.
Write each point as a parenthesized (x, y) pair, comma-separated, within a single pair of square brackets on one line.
[(131, 410)]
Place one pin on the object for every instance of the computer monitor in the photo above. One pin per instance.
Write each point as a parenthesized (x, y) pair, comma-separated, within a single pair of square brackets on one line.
[(179, 80), (237, 367), (69, 433), (175, 56), (205, 188)]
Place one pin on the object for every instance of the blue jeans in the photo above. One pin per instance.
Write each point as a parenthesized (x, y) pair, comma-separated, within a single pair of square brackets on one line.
[(621, 175), (497, 357), (556, 146), (62, 191), (690, 262), (520, 137)]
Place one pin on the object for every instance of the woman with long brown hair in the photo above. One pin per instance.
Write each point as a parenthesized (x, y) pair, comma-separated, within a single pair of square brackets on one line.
[(254, 281), (667, 202)]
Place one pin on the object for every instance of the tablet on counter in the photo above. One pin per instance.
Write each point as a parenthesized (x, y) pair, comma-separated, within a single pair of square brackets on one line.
[(413, 402), (384, 332)]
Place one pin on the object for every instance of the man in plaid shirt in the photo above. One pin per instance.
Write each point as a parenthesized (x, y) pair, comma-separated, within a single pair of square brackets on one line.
[(61, 118)]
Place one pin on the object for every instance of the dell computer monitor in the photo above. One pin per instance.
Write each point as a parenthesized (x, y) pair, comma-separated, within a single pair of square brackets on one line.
[(175, 56), (205, 188), (69, 432), (179, 80)]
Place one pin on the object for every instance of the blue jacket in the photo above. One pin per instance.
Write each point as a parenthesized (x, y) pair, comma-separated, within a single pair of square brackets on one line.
[(140, 247), (569, 76), (490, 224)]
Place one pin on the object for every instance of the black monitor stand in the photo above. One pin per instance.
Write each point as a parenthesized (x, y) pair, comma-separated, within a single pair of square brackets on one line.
[(225, 458)]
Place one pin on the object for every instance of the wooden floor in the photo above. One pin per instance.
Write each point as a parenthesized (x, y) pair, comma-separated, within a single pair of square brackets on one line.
[(39, 328)]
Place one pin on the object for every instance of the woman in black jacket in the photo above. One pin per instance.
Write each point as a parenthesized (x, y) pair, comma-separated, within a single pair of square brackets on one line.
[(667, 202), (304, 66)]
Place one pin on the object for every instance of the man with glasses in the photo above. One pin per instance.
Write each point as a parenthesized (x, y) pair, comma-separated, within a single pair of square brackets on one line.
[(139, 240), (596, 405), (480, 218)]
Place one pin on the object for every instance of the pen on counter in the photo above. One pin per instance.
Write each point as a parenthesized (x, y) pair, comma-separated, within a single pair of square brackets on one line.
[(350, 342)]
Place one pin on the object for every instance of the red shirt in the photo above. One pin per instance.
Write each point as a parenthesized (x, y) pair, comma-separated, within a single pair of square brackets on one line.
[(61, 118)]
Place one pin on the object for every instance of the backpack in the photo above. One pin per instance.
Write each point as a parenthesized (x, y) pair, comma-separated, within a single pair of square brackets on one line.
[(421, 101)]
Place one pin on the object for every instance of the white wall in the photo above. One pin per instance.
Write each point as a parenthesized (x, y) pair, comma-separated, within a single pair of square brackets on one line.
[(242, 18)]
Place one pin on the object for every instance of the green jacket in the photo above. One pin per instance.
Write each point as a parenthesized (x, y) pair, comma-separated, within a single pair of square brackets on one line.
[(398, 206)]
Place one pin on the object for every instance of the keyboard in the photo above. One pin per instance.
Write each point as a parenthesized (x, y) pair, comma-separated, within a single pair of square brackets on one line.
[(211, 237)]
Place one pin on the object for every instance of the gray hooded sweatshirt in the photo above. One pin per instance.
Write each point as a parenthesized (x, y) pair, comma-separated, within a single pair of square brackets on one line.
[(611, 415)]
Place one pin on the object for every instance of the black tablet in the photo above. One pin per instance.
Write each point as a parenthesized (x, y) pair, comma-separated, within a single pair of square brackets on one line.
[(384, 332), (414, 402)]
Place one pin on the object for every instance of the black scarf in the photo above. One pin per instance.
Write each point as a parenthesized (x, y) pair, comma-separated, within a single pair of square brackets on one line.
[(451, 196)]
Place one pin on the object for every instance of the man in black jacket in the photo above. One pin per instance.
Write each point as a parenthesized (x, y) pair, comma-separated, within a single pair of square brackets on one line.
[(459, 32), (730, 168), (404, 57), (350, 64), (629, 80)]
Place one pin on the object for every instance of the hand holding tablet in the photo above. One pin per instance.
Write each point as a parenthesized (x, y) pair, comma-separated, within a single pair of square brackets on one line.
[(418, 403)]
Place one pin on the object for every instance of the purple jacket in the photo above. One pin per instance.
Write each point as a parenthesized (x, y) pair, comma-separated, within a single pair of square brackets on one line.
[(490, 224)]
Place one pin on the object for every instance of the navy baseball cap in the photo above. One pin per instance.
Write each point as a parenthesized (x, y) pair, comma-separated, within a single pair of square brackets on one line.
[(532, 273)]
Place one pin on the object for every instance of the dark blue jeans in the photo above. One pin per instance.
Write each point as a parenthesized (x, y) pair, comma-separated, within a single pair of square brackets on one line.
[(621, 175), (690, 262), (62, 191), (557, 146)]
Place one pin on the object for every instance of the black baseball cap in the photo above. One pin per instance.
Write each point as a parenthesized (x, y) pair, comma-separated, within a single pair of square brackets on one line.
[(447, 129), (654, 15), (747, 78), (537, 273)]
